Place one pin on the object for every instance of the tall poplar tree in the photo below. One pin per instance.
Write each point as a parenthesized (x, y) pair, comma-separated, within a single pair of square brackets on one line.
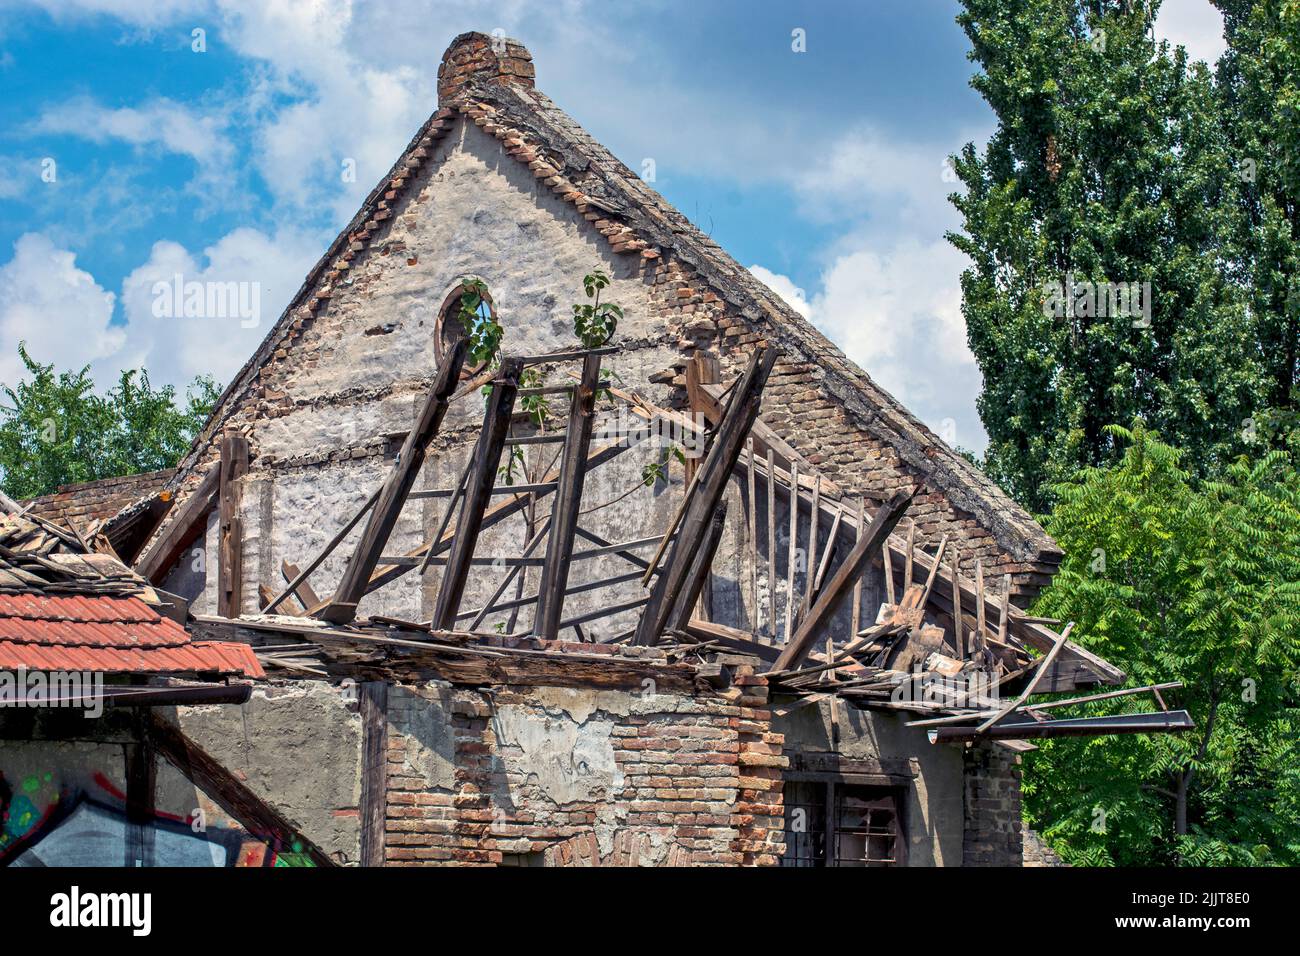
[(1110, 165)]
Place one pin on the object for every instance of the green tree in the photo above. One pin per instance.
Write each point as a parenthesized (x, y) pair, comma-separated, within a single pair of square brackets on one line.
[(56, 430), (1173, 578), (1259, 85), (1110, 164)]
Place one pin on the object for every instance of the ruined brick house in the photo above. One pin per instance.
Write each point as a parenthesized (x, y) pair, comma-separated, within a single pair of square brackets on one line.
[(731, 697)]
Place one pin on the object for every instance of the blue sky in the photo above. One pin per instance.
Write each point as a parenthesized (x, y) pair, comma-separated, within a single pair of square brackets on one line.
[(128, 156)]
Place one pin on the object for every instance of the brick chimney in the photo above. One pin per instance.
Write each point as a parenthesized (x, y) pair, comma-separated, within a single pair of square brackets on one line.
[(480, 57)]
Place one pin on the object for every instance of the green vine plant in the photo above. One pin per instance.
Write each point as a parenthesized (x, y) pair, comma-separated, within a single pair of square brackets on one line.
[(658, 470), (595, 322), (481, 327)]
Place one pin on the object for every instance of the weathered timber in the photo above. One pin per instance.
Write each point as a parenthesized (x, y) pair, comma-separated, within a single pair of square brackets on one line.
[(374, 770), (230, 526), (303, 591), (711, 482), (796, 651), (187, 524), (478, 489), (383, 517), (567, 503), (701, 567)]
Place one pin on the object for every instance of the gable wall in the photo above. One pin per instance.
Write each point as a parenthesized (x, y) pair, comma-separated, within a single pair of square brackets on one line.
[(336, 398)]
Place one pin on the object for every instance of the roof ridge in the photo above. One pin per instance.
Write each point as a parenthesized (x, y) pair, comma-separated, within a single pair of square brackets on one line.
[(510, 112)]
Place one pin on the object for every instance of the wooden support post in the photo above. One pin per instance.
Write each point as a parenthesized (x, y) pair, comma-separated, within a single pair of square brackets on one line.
[(956, 604), (811, 560), (188, 522), (711, 483), (568, 502), (751, 532), (771, 547), (796, 651), (703, 368), (857, 585), (701, 566), (230, 548), (374, 770), (792, 551), (478, 490), (342, 607)]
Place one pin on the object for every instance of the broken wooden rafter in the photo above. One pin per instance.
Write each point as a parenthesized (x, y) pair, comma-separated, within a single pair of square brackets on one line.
[(568, 502), (478, 489), (342, 607), (888, 515), (711, 482), (187, 524)]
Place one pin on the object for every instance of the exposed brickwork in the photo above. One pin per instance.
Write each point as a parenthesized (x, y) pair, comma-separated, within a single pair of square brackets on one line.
[(696, 781), (993, 829), (81, 504), (479, 58), (1037, 852)]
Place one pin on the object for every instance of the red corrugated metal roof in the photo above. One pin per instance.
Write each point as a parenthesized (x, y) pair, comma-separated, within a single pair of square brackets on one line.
[(110, 634)]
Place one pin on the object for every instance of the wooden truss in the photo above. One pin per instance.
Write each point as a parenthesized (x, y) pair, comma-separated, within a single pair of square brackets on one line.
[(941, 643)]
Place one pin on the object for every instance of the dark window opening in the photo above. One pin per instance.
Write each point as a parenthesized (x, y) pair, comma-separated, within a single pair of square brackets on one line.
[(838, 824)]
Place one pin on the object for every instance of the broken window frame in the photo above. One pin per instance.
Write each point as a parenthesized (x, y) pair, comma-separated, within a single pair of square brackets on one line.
[(823, 799)]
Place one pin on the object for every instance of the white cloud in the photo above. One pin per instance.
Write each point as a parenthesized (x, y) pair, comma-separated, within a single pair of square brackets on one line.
[(175, 347), (894, 184), (783, 286), (56, 308), (1195, 24), (63, 314), (160, 122), (895, 310), (141, 13)]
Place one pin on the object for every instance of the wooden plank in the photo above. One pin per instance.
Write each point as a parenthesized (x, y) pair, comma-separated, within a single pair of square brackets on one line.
[(342, 607), (857, 585), (701, 566), (478, 489), (956, 603), (494, 515), (567, 503), (302, 591), (230, 536), (771, 547), (711, 484), (257, 816), (813, 527), (188, 523), (796, 651), (792, 551), (751, 531), (325, 552), (373, 700)]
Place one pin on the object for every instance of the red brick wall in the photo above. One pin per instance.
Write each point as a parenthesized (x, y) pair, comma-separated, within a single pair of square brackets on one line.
[(700, 785)]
